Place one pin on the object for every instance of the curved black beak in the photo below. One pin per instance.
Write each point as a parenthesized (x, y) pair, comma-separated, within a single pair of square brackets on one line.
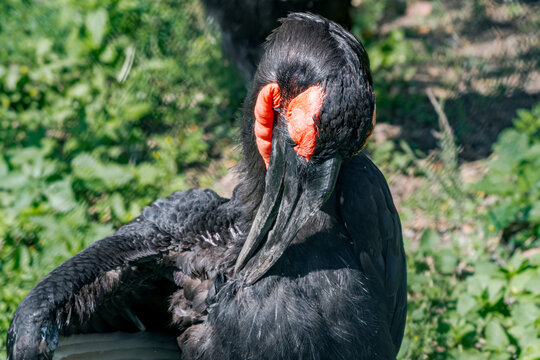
[(292, 195)]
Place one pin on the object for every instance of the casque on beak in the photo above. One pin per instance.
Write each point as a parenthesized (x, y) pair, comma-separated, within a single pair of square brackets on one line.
[(292, 195)]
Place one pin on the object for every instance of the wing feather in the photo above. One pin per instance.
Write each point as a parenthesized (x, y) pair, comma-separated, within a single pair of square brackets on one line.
[(103, 287), (373, 223)]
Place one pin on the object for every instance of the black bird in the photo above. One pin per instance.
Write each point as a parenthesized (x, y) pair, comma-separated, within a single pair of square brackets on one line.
[(245, 24), (305, 261)]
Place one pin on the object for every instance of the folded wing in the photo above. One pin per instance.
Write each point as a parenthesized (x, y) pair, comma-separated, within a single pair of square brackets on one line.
[(373, 223)]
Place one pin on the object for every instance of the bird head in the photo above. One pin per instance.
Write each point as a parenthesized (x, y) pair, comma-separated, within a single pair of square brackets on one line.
[(311, 107)]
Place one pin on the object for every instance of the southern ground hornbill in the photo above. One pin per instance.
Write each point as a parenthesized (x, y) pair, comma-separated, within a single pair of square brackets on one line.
[(305, 261)]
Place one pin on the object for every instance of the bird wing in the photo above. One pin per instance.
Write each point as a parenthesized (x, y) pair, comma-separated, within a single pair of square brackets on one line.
[(373, 223), (102, 287)]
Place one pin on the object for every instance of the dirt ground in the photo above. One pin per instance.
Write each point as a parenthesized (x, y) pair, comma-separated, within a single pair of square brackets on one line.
[(483, 60)]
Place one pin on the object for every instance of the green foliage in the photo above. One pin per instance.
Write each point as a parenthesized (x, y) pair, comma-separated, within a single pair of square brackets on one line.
[(104, 105), (514, 178), (390, 157), (464, 303), (471, 297)]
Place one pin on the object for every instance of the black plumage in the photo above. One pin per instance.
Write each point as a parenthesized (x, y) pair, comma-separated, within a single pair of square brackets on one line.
[(305, 261)]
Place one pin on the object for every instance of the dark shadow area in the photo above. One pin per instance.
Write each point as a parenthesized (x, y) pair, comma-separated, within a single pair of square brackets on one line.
[(480, 58)]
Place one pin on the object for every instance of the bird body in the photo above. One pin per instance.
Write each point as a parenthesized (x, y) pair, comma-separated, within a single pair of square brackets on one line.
[(305, 261), (316, 302)]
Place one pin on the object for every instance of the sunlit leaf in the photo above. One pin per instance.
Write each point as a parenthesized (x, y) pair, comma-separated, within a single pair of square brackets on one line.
[(496, 337), (3, 167), (525, 313), (13, 180), (60, 195), (96, 24), (465, 304)]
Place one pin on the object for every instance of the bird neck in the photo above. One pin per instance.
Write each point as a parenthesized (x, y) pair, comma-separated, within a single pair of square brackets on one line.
[(248, 194)]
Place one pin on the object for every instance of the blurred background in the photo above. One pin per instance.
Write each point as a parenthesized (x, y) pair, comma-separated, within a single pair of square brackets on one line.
[(106, 105)]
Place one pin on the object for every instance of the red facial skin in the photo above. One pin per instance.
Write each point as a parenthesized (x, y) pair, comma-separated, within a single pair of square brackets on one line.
[(268, 99), (301, 115)]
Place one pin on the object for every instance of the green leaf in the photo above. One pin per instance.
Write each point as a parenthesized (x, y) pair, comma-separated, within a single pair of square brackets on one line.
[(134, 211), (114, 176), (496, 337), (533, 152), (504, 213), (496, 183), (465, 304), (465, 332), (85, 166), (476, 284), (96, 24), (60, 195), (530, 352), (117, 206), (513, 144), (519, 282), (147, 173), (429, 241), (27, 155), (98, 175), (13, 181), (487, 268), (516, 262), (531, 285), (525, 313), (79, 91), (97, 231), (446, 261), (3, 167), (43, 46), (136, 111), (418, 314), (534, 213), (495, 289), (469, 354), (12, 78)]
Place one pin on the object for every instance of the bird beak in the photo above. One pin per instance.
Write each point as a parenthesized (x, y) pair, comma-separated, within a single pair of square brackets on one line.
[(290, 199)]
